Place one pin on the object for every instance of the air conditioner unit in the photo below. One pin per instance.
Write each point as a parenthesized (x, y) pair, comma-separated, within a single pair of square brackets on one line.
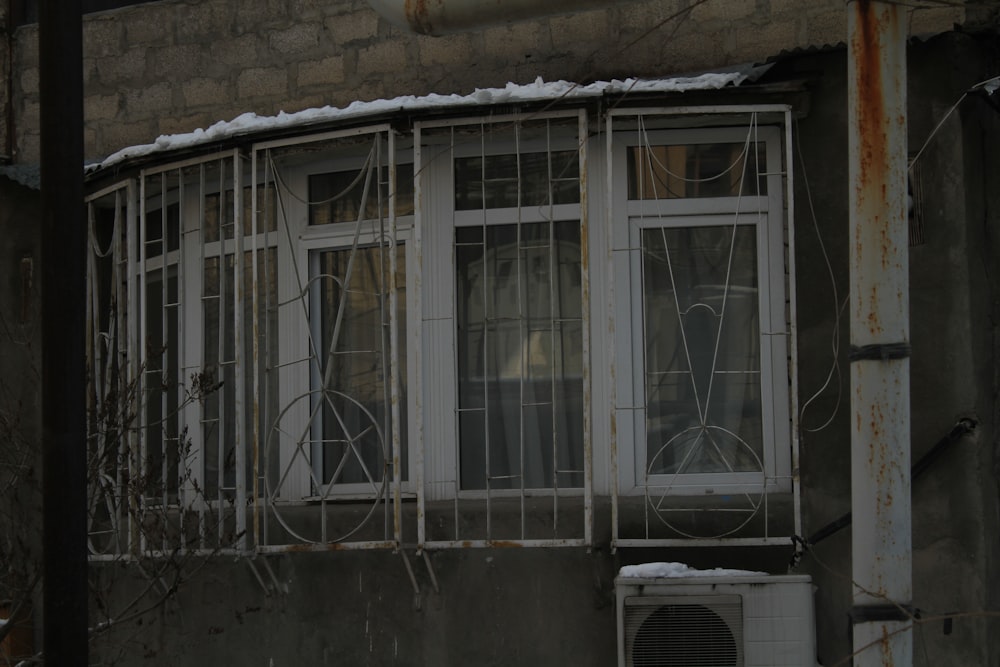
[(730, 621)]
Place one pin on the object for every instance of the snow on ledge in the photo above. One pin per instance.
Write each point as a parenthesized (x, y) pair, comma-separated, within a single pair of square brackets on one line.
[(678, 570), (248, 123)]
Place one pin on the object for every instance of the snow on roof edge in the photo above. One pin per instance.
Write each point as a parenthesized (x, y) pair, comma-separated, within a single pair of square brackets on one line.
[(539, 91), (679, 570), (28, 175)]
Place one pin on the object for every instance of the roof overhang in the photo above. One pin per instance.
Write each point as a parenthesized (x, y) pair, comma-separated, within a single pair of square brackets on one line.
[(253, 127)]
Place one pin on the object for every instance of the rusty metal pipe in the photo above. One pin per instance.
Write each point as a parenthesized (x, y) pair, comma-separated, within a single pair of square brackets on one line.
[(442, 17), (880, 437)]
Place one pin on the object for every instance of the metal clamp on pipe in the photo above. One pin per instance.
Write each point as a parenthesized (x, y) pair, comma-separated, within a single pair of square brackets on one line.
[(878, 613), (879, 352)]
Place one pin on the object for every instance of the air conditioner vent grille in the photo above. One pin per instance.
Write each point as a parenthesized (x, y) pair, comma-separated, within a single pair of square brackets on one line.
[(684, 631)]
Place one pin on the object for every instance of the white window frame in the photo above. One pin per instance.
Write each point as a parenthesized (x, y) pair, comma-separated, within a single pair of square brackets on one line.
[(144, 267), (312, 242), (295, 262), (627, 219), (437, 221)]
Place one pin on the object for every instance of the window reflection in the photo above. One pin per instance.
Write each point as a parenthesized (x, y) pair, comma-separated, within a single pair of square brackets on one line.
[(336, 196), (696, 170), (506, 181), (520, 358), (353, 376), (702, 350)]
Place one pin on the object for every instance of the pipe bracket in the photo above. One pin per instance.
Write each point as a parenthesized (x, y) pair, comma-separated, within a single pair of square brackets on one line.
[(879, 352), (875, 613)]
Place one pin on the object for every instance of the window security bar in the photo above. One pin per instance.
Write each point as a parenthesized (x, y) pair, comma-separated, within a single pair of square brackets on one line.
[(367, 338)]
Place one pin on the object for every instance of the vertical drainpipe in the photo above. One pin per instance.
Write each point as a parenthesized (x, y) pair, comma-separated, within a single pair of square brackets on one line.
[(880, 371)]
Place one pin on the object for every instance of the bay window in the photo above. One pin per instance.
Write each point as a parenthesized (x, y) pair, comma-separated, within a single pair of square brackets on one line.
[(376, 335)]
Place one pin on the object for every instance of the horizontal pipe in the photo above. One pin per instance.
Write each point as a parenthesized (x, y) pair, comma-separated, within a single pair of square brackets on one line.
[(965, 426), (442, 17)]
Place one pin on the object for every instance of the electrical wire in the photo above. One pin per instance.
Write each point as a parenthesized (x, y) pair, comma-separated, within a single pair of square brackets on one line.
[(989, 85), (702, 409), (340, 195), (838, 307)]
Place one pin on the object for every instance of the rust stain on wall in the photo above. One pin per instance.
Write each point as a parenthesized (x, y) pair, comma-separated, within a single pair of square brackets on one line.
[(417, 14), (867, 44), (505, 544), (872, 102)]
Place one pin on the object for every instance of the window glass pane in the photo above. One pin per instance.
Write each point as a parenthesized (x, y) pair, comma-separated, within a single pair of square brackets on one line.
[(266, 210), (227, 215), (267, 349), (161, 385), (520, 362), (211, 406), (219, 417), (336, 196), (162, 214), (213, 212), (506, 181), (212, 203), (702, 354), (354, 430), (109, 396), (696, 170), (107, 254), (160, 223)]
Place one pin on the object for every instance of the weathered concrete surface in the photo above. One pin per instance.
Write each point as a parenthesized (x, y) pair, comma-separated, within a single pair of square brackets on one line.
[(494, 607), (174, 66), (954, 277), (953, 311)]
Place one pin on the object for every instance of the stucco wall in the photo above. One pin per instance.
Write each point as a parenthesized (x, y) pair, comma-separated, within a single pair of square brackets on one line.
[(175, 66)]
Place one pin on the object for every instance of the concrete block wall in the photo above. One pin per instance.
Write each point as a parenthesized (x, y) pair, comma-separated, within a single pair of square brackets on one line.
[(176, 65)]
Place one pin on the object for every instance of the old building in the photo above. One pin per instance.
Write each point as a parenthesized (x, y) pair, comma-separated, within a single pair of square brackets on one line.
[(400, 346)]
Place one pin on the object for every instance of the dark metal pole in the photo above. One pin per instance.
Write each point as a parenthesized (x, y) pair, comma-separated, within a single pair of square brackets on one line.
[(64, 532)]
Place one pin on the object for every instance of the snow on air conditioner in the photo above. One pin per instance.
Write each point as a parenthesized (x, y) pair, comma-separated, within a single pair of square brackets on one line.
[(670, 615)]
